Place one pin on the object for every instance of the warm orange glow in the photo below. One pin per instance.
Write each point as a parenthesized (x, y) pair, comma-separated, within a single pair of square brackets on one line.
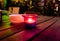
[(30, 16), (16, 18), (1, 0), (30, 20), (19, 0)]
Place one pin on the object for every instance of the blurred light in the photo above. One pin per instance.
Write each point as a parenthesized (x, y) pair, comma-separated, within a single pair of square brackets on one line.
[(25, 0), (53, 1), (30, 20), (56, 8), (58, 0), (16, 18), (30, 16)]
